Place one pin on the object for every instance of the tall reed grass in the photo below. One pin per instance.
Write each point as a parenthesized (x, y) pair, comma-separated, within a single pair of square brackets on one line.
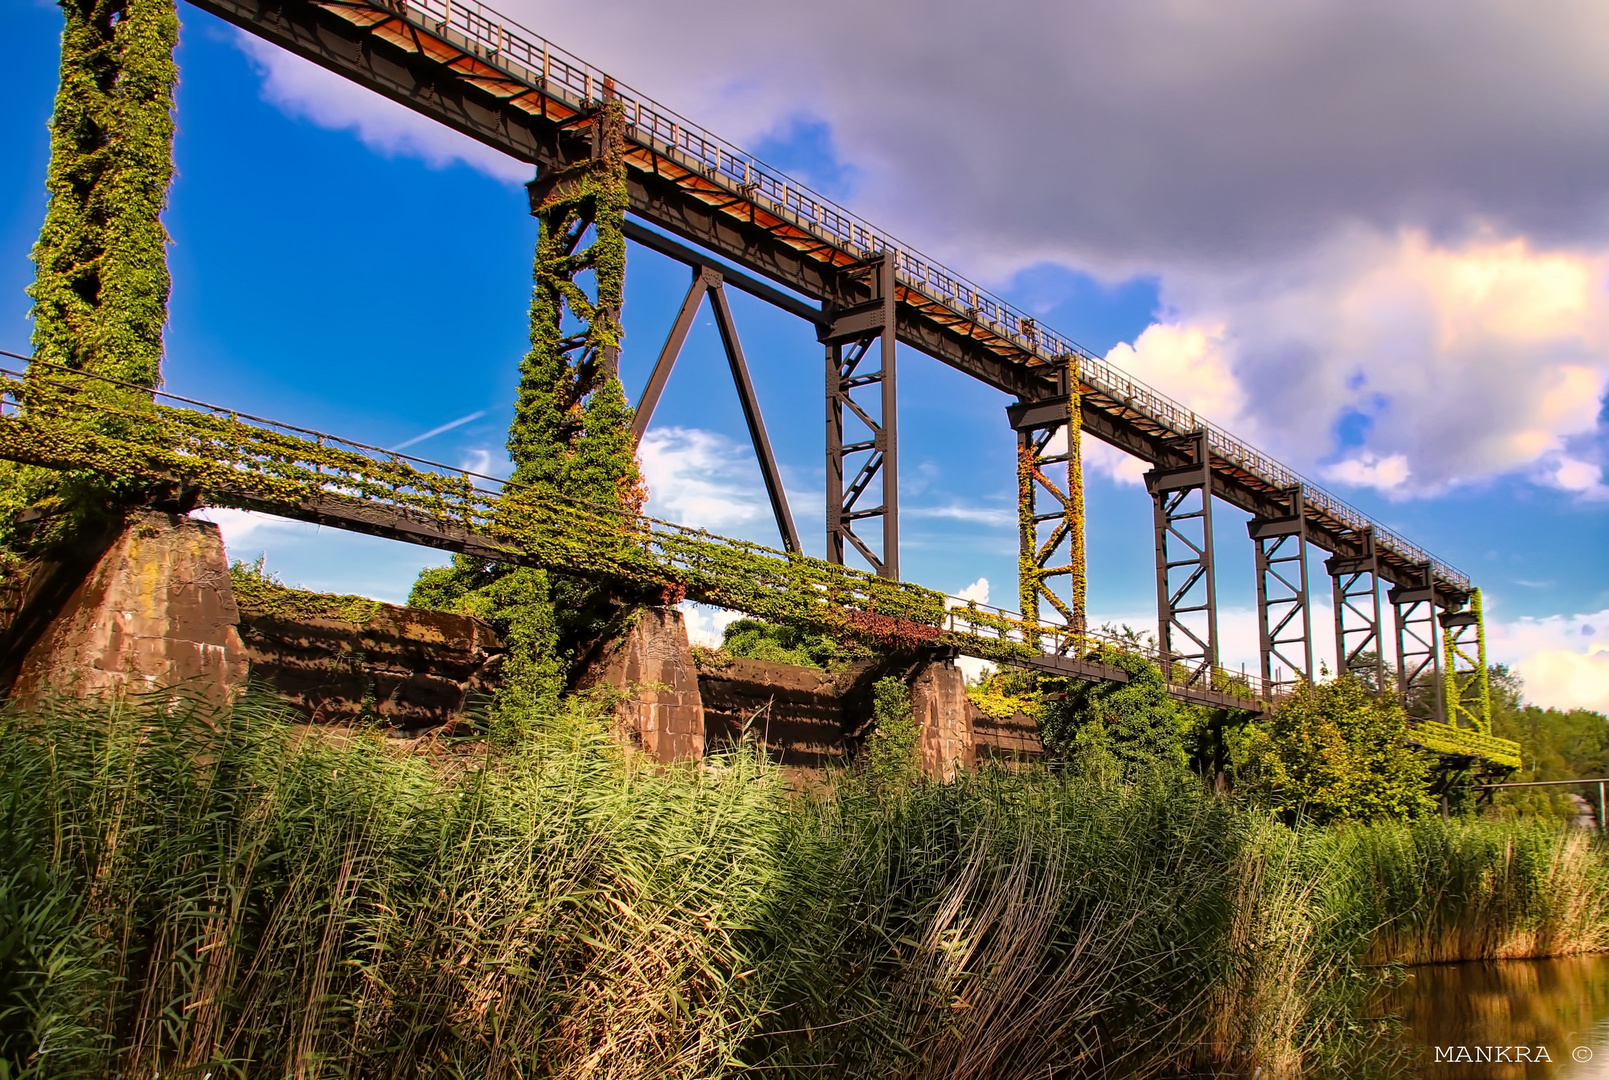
[(229, 895), (1435, 891), (185, 891)]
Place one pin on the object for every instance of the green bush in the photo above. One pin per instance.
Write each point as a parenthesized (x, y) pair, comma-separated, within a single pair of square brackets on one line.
[(1335, 752), (1127, 730)]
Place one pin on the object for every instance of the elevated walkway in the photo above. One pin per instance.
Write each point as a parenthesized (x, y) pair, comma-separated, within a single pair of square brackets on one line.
[(201, 454)]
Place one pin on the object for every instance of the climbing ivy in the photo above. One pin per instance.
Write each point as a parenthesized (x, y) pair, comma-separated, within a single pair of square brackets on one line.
[(890, 760), (101, 287), (261, 593), (1002, 694), (572, 426), (784, 644), (1032, 576), (571, 430), (101, 282)]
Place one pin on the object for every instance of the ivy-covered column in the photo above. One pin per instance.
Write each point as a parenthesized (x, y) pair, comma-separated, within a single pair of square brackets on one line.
[(1059, 553), (101, 287), (1465, 676), (571, 432), (101, 283), (572, 426)]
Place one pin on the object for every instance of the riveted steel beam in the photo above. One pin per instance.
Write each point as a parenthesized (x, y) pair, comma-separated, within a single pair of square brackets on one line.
[(1050, 552), (1419, 647), (860, 352), (708, 281), (467, 78), (1355, 585)]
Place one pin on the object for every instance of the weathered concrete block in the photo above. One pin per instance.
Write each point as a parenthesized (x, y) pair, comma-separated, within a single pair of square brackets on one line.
[(1014, 738), (155, 611), (800, 715), (652, 664), (939, 705)]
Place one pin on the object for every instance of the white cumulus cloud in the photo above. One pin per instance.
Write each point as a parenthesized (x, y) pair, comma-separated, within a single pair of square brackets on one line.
[(701, 478), (1394, 362), (1564, 659)]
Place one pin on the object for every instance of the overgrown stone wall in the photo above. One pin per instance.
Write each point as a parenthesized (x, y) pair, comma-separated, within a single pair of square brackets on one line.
[(401, 667), (804, 716), (156, 605)]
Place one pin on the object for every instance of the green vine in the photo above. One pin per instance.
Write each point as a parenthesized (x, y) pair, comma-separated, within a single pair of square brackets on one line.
[(101, 287), (571, 430), (1003, 694), (1033, 573), (572, 426), (101, 282)]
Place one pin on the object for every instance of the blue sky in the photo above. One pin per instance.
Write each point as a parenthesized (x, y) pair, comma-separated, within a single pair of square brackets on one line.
[(374, 285)]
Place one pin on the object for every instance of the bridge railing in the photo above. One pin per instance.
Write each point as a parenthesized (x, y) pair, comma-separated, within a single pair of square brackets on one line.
[(531, 59), (1036, 638), (65, 420)]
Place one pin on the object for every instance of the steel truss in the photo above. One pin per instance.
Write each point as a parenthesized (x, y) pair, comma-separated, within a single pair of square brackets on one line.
[(1283, 617), (1051, 544), (1468, 690), (1419, 647), (1186, 590), (1355, 584), (709, 281), (581, 213), (849, 334), (465, 65)]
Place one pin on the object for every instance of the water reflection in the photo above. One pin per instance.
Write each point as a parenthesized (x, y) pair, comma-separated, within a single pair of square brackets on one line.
[(1562, 1005)]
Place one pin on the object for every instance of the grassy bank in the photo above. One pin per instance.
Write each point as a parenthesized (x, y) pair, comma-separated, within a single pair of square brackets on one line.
[(226, 893)]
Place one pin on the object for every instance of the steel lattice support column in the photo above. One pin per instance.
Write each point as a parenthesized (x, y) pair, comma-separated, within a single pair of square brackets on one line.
[(585, 203), (571, 426), (1355, 582), (872, 451), (1468, 686), (1419, 646), (1186, 590), (1283, 620), (1051, 544)]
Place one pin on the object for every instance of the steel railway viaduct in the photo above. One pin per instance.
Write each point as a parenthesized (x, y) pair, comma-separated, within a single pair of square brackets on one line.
[(740, 223)]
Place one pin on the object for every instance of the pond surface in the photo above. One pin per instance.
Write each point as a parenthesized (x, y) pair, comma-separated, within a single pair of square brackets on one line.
[(1471, 1021)]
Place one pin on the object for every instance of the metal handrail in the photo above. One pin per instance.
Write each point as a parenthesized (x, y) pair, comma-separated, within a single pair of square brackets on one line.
[(506, 45), (472, 500)]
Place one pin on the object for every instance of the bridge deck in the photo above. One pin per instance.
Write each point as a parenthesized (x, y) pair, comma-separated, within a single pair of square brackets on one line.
[(204, 453), (466, 66)]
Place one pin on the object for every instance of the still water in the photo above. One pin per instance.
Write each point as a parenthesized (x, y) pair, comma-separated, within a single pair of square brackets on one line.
[(1482, 1015)]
